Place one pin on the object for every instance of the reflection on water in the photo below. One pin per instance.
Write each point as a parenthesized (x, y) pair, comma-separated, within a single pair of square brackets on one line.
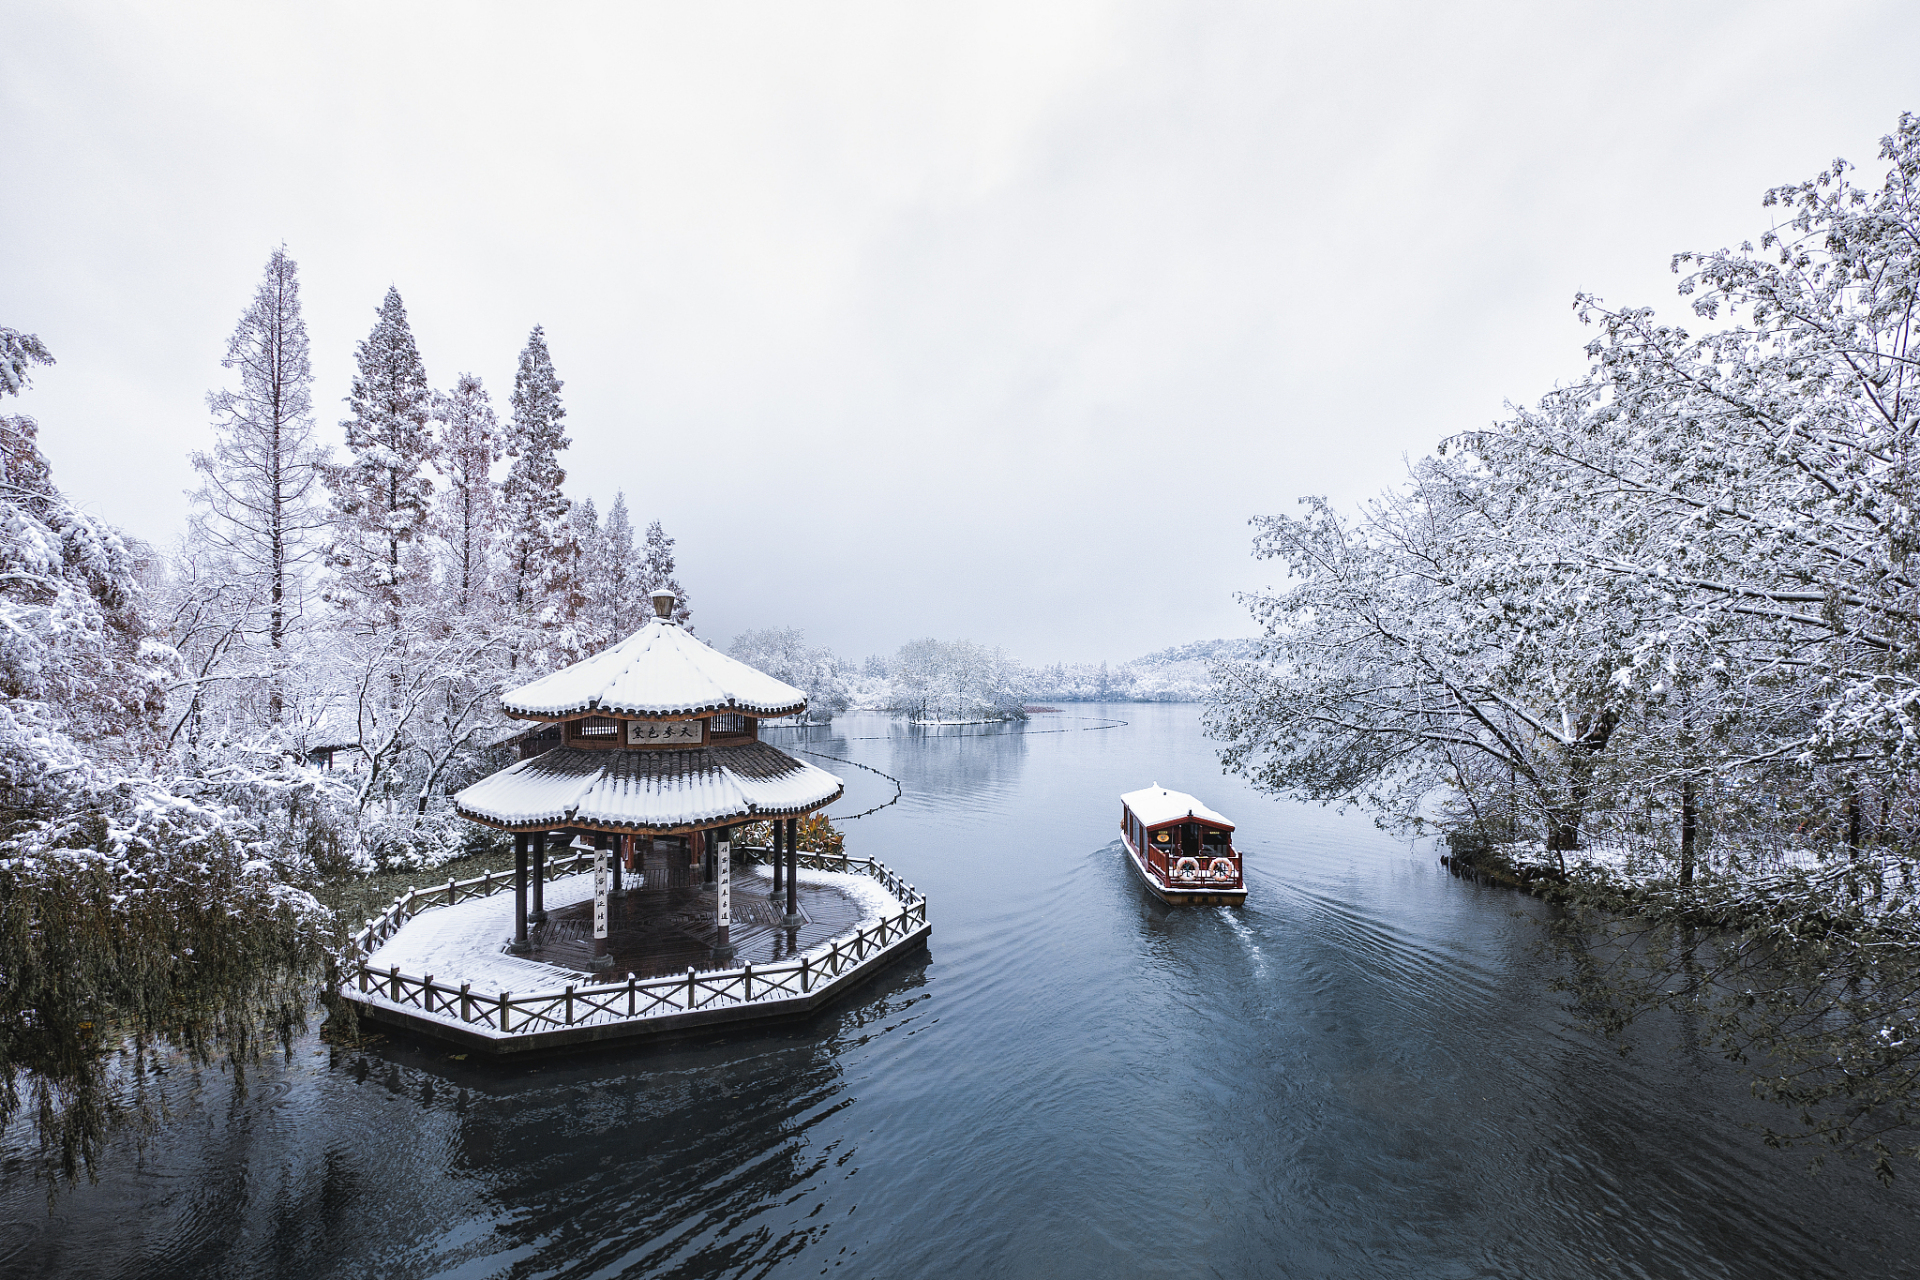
[(1359, 1073)]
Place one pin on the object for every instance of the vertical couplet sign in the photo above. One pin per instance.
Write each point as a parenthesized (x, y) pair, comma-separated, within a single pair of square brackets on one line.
[(723, 909), (600, 893)]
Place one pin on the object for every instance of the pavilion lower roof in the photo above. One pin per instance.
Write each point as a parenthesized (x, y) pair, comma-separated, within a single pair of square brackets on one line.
[(648, 790)]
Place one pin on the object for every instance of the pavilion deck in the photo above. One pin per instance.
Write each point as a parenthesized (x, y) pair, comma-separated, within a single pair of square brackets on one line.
[(666, 926)]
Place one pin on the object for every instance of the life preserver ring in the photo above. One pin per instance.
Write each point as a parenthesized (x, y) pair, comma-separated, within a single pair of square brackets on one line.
[(1221, 869), (1187, 868)]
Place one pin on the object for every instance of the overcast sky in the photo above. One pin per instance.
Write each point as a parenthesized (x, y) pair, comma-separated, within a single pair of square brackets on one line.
[(968, 320)]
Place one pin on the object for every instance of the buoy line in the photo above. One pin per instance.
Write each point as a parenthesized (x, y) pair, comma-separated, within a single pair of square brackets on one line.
[(898, 789)]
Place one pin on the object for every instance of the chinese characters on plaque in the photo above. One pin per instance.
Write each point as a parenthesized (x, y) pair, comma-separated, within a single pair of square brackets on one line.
[(678, 732), (600, 894), (723, 909)]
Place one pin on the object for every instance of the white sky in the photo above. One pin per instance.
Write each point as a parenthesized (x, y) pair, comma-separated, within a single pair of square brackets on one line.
[(986, 320)]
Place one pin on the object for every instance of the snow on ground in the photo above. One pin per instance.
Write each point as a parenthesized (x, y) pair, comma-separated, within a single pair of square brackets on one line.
[(464, 943)]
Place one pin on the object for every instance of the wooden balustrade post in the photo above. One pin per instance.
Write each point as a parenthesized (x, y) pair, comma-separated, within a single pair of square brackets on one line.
[(630, 993), (393, 984), (505, 1007), (748, 999), (426, 995), (804, 984), (466, 1002), (363, 977), (569, 1004), (690, 987)]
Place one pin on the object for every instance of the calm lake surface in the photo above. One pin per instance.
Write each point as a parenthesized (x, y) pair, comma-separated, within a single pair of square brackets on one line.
[(1359, 1073)]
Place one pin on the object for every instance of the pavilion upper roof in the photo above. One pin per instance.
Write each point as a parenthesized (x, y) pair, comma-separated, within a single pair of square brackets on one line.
[(659, 670)]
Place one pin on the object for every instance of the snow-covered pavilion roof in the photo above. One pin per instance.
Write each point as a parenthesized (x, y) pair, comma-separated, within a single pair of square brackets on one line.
[(649, 790), (659, 670), (1155, 804)]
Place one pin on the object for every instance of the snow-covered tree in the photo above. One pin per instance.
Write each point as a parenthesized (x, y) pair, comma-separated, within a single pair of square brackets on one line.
[(783, 653), (258, 505), (538, 553), (618, 595), (382, 494), (77, 660), (657, 573), (467, 514), (957, 680)]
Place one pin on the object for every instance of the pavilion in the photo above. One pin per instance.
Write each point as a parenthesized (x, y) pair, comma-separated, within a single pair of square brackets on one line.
[(654, 756)]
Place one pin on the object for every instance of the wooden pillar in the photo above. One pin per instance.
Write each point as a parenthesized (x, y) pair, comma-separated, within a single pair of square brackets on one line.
[(519, 942), (722, 904), (779, 870), (707, 870), (538, 915), (619, 856), (792, 919)]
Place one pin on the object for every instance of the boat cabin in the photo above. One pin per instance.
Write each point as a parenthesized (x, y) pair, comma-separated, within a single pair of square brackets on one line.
[(1181, 850)]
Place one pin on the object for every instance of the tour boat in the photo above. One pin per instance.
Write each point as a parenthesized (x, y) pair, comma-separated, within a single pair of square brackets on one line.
[(1182, 850)]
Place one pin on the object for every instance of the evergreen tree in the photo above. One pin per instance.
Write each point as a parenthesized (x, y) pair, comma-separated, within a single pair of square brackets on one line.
[(657, 572), (382, 495), (626, 607), (256, 507), (537, 576), (593, 631), (468, 515)]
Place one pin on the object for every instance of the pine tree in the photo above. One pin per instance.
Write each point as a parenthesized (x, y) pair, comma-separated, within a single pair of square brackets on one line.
[(537, 574), (626, 607), (657, 573), (590, 574), (382, 496), (256, 507), (467, 516)]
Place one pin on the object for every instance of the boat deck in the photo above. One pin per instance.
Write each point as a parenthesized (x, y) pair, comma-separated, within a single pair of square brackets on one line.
[(666, 926)]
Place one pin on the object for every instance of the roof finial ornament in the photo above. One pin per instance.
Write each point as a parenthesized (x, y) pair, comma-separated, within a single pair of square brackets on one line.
[(663, 602)]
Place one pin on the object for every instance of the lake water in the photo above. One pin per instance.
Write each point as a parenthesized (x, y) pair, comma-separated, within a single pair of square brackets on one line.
[(1359, 1073)]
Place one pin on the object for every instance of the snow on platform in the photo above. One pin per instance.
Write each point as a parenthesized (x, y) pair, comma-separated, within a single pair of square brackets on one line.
[(466, 943)]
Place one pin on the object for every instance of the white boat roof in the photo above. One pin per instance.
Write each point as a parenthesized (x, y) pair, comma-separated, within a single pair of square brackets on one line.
[(649, 790), (659, 670), (1155, 804)]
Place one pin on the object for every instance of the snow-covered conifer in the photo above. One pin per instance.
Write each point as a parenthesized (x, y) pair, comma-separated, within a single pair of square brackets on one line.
[(620, 597), (657, 573), (382, 494), (258, 503), (537, 542), (468, 512)]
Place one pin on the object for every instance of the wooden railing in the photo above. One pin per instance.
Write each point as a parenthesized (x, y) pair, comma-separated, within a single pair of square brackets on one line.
[(414, 901), (633, 999)]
